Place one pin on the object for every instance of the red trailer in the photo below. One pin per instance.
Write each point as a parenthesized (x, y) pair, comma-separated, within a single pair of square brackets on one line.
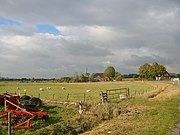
[(22, 115)]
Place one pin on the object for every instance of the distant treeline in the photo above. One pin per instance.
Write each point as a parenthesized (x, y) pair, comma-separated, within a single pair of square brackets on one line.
[(147, 71), (26, 79), (75, 78)]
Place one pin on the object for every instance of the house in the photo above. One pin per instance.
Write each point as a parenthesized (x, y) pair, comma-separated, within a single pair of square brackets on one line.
[(169, 75), (172, 75), (98, 77)]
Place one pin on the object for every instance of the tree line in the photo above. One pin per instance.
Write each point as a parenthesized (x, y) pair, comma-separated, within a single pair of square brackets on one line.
[(145, 71)]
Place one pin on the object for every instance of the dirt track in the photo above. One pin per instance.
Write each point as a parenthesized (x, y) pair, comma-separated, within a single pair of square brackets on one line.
[(176, 131)]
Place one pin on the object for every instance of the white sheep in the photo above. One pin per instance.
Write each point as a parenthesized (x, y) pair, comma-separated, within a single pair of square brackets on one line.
[(48, 88), (88, 90), (63, 88), (41, 89)]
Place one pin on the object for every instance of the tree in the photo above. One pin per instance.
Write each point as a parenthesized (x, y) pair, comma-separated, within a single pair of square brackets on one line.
[(151, 71), (79, 77), (33, 79), (75, 77), (178, 76), (144, 70), (83, 78), (109, 72), (91, 78), (118, 76), (157, 70)]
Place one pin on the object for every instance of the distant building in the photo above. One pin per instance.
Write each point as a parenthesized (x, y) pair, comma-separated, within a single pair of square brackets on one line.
[(98, 77), (169, 75)]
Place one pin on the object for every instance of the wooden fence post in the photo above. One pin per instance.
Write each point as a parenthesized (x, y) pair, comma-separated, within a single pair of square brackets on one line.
[(9, 123), (128, 93), (103, 96), (84, 97), (68, 97)]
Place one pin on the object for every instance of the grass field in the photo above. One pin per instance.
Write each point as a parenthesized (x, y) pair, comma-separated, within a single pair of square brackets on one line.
[(76, 90), (152, 109)]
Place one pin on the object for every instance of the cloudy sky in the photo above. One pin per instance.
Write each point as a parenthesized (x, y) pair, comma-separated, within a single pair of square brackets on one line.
[(51, 38)]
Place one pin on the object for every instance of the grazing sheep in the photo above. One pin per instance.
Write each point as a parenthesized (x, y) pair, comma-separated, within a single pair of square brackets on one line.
[(41, 89), (48, 88), (88, 90), (17, 88), (25, 91), (63, 88)]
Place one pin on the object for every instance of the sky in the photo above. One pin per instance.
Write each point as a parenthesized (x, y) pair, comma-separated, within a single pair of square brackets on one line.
[(41, 38)]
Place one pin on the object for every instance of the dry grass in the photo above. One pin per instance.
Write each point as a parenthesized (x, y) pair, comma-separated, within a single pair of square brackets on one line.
[(154, 114), (161, 92)]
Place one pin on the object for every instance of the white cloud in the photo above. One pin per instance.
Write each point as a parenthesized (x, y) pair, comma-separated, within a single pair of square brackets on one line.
[(121, 33)]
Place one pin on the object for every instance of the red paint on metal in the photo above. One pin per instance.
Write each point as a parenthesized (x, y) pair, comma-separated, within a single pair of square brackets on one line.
[(20, 113)]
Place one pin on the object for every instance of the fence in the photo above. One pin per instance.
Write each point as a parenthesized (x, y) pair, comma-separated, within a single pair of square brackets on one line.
[(114, 94), (107, 95), (76, 97)]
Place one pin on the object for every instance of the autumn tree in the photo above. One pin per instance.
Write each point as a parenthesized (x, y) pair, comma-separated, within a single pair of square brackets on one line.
[(157, 70), (151, 71), (144, 70), (118, 76), (110, 72)]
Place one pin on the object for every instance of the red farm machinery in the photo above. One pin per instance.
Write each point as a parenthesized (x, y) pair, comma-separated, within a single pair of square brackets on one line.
[(22, 109)]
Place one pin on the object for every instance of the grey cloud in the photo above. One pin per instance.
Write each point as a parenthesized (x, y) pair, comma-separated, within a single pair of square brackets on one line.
[(85, 49), (84, 12), (17, 30), (136, 60), (47, 56), (140, 31)]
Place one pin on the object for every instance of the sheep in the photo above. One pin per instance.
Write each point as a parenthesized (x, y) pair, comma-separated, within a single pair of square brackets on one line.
[(63, 88), (48, 88), (18, 88), (25, 91), (88, 90), (41, 89)]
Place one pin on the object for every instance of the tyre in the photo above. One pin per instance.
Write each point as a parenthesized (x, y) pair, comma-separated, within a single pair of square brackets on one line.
[(36, 101), (25, 97)]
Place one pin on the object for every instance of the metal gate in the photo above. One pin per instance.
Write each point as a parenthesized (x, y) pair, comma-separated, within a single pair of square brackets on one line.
[(114, 94)]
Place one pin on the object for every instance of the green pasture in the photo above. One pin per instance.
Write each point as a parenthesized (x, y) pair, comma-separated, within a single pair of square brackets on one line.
[(133, 116), (76, 91)]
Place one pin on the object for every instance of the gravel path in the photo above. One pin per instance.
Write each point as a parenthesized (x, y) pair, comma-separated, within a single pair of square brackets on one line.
[(176, 131)]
